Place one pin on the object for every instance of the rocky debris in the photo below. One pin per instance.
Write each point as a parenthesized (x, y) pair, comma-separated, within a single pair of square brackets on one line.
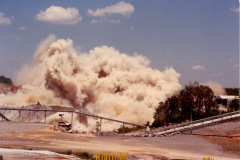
[(108, 134), (60, 128), (155, 133), (80, 132), (6, 88)]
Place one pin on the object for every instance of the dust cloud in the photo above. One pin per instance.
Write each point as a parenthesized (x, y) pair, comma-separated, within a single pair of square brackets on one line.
[(217, 88), (104, 81)]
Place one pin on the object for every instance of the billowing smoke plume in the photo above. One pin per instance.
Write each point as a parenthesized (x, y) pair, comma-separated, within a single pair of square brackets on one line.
[(104, 81)]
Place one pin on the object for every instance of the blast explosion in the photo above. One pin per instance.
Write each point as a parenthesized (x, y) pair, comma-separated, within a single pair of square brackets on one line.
[(104, 81)]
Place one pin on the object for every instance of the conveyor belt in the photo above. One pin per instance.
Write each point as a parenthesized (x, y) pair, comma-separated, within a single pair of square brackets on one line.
[(4, 117), (189, 126)]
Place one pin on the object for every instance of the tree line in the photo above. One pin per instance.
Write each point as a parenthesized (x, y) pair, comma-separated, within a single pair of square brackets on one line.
[(232, 91), (194, 102), (5, 80)]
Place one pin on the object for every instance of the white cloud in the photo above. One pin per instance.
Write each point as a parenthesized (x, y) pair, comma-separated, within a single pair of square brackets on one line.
[(59, 15), (199, 68), (115, 21), (218, 74), (4, 20), (22, 28), (94, 21), (234, 9), (105, 20), (122, 8)]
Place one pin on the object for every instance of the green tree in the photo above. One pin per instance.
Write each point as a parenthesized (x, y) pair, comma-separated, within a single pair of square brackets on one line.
[(234, 105), (167, 112), (195, 101), (160, 115), (5, 80), (232, 91), (186, 101), (173, 111)]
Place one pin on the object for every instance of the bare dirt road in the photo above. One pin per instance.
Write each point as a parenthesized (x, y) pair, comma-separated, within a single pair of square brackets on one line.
[(38, 137)]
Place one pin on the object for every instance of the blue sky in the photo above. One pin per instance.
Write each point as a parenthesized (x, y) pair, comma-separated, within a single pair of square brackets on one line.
[(198, 38)]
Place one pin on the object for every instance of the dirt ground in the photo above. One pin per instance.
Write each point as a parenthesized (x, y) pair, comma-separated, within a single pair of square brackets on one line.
[(191, 147), (227, 136)]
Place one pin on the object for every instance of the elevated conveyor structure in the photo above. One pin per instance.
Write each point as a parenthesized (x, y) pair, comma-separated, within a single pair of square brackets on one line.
[(4, 108), (4, 117), (189, 126)]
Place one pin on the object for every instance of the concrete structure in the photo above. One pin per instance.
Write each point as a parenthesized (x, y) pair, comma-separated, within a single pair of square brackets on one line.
[(225, 99)]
